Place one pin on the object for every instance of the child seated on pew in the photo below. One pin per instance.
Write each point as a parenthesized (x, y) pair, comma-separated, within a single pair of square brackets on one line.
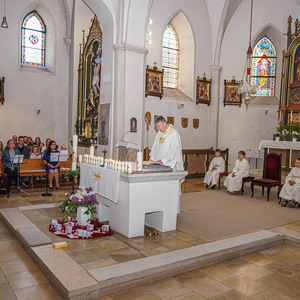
[(215, 168), (35, 152)]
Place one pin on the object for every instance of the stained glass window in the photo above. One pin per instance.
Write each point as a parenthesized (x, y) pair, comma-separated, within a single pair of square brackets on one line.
[(33, 40), (264, 67), (170, 57)]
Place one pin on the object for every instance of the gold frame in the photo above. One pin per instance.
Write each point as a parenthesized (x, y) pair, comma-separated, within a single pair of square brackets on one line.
[(151, 74), (2, 99), (231, 95), (203, 92)]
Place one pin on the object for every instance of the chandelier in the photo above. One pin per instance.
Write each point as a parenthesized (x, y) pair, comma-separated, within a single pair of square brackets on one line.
[(4, 23), (246, 89)]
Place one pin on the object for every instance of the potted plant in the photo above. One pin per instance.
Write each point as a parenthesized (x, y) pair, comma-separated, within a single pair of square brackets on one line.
[(277, 136), (295, 135)]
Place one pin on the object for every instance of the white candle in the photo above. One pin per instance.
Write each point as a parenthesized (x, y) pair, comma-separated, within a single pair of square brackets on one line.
[(80, 158), (92, 150), (129, 169), (74, 155), (139, 161)]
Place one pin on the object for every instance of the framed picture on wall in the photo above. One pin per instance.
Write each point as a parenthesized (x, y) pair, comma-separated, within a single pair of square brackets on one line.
[(154, 81), (203, 93), (2, 90), (231, 95)]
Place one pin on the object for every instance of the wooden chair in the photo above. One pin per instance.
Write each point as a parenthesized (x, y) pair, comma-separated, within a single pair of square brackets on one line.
[(3, 179), (246, 179), (221, 175), (271, 174)]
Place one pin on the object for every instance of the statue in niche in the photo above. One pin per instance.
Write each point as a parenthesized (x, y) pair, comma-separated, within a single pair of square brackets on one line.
[(297, 61), (96, 64)]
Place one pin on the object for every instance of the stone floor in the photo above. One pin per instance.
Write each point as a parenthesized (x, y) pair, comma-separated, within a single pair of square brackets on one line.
[(269, 274)]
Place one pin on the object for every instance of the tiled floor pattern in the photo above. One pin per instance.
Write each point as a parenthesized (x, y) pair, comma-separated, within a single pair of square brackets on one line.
[(269, 274)]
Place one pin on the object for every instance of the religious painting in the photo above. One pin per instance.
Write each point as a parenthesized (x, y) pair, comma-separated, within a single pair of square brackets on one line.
[(196, 123), (231, 95), (154, 81), (148, 119), (103, 130), (203, 93), (89, 78), (2, 89), (133, 125), (184, 122), (264, 67), (170, 120)]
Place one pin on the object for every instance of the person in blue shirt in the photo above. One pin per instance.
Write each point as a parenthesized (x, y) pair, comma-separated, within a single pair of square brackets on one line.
[(52, 167)]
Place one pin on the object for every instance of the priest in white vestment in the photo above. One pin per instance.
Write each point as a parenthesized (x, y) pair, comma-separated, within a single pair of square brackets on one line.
[(234, 180), (291, 189), (166, 148), (215, 168)]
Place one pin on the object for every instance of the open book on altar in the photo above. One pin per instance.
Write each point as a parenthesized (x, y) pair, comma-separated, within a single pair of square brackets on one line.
[(155, 167)]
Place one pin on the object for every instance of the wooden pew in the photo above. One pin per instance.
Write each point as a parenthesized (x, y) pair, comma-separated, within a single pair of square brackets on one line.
[(36, 167)]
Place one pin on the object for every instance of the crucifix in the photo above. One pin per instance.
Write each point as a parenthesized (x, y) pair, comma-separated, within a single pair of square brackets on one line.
[(104, 153)]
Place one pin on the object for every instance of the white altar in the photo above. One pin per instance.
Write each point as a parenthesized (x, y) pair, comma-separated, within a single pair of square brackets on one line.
[(279, 145), (129, 201)]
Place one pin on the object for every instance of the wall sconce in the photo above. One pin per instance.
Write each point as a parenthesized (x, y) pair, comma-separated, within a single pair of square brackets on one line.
[(180, 106), (2, 90), (4, 23)]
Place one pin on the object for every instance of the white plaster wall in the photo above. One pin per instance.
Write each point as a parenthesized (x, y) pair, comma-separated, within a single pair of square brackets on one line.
[(242, 129), (162, 11), (27, 91)]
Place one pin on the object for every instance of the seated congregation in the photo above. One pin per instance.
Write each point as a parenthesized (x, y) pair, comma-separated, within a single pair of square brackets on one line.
[(37, 160)]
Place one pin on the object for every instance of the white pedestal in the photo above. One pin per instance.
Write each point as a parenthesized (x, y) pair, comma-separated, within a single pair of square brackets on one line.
[(150, 198)]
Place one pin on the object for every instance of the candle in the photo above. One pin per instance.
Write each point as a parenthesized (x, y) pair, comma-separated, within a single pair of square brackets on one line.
[(139, 161), (92, 150), (291, 117), (129, 170), (74, 155), (80, 158)]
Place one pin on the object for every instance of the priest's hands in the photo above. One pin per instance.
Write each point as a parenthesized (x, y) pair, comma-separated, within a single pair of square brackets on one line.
[(160, 162), (233, 175), (291, 182)]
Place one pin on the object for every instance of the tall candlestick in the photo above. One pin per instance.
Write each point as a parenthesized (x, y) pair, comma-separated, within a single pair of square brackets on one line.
[(74, 154), (291, 117)]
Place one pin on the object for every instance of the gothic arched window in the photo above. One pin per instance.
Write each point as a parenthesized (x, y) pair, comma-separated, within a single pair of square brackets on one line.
[(170, 58), (264, 67), (33, 40)]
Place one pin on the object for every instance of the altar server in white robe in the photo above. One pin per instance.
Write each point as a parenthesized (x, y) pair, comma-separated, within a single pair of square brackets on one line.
[(215, 168), (166, 148), (234, 180), (290, 191)]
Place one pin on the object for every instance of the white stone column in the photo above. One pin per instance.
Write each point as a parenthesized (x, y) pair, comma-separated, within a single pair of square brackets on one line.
[(129, 89), (213, 124)]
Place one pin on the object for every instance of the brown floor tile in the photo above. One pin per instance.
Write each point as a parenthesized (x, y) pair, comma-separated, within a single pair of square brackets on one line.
[(259, 259), (201, 284), (78, 245), (88, 255), (230, 295), (281, 268), (142, 244), (190, 296), (271, 294), (168, 288), (26, 279), (161, 237), (289, 248), (183, 236), (281, 283), (105, 298), (295, 295), (197, 242), (219, 272), (125, 254), (6, 292), (98, 264), (138, 293), (252, 270), (38, 292), (245, 285), (269, 251), (17, 266), (174, 244), (292, 226), (2, 278), (286, 257), (110, 245), (155, 251)]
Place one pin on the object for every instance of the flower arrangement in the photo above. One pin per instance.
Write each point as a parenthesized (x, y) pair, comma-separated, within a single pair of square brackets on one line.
[(84, 197), (294, 134), (284, 132), (277, 133)]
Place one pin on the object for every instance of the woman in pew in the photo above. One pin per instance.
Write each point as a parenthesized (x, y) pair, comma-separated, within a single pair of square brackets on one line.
[(11, 169), (52, 167), (1, 149)]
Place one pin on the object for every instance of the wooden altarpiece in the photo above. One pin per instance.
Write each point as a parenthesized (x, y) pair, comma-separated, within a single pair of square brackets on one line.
[(89, 79), (289, 107)]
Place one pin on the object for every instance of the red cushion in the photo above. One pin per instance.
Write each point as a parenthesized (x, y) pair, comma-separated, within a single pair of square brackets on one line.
[(224, 174), (266, 181)]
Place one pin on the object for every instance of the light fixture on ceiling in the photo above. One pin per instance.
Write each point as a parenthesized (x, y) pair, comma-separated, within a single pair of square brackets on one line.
[(180, 106), (245, 89), (4, 23)]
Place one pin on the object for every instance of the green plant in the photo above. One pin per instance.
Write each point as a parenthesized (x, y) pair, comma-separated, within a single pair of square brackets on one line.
[(73, 172)]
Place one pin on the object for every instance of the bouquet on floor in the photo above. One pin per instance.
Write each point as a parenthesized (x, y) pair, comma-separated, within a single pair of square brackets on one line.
[(84, 197)]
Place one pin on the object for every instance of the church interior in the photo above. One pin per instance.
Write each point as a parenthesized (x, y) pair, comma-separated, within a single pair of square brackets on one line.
[(224, 73)]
